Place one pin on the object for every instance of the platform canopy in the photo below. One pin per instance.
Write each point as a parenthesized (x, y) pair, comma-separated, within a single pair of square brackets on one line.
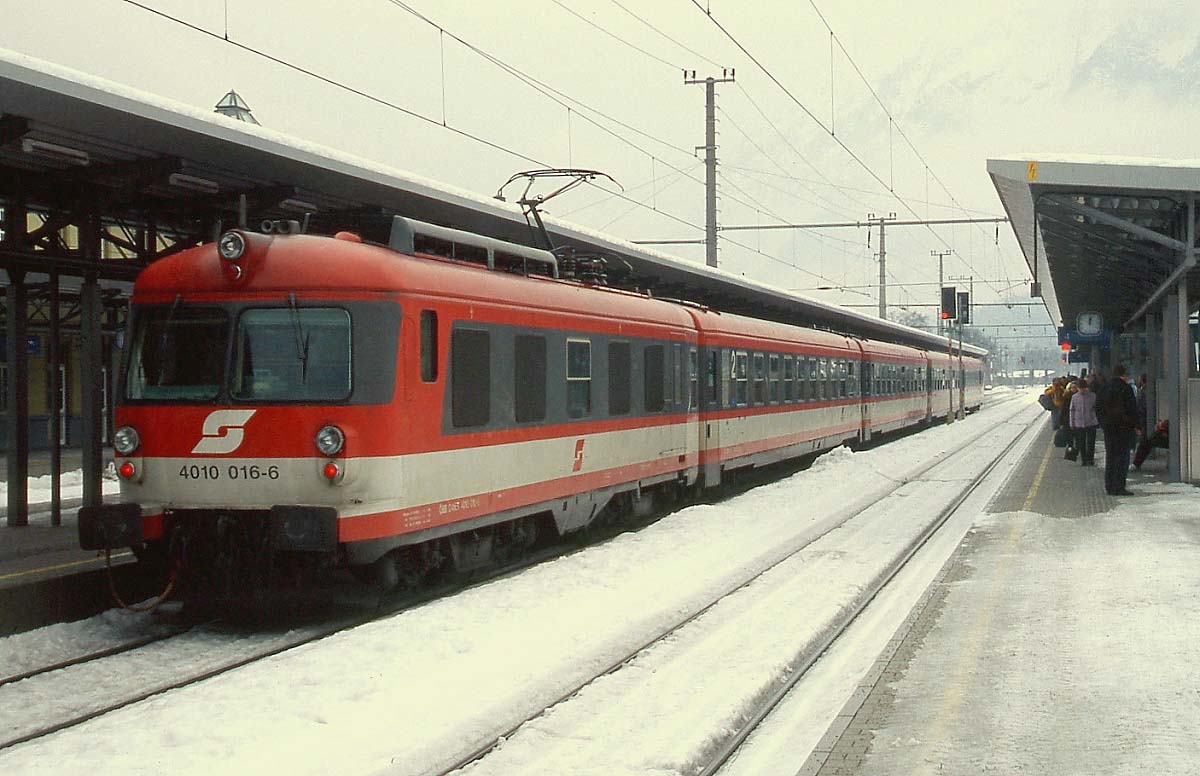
[(1102, 235), (152, 166)]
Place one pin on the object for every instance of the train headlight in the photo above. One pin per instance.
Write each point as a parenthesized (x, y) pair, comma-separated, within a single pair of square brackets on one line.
[(330, 440), (126, 440), (231, 246)]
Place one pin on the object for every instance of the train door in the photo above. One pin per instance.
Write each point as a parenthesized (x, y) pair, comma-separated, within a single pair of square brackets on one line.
[(716, 388), (678, 399), (927, 386), (868, 390)]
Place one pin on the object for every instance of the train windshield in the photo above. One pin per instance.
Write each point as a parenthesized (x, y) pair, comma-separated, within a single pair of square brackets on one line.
[(178, 353), (292, 354)]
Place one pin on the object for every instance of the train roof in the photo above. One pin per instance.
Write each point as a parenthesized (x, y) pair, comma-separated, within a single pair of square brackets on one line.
[(310, 266), (730, 324)]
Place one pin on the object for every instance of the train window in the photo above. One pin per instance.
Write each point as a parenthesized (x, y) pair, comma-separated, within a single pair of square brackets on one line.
[(429, 346), (677, 375), (773, 375), (822, 378), (843, 373), (619, 370), (470, 378), (802, 387), (741, 363), (719, 362), (713, 379), (653, 373), (789, 377), (292, 354), (852, 377), (693, 378), (579, 378), (178, 353), (813, 392), (529, 378), (760, 379)]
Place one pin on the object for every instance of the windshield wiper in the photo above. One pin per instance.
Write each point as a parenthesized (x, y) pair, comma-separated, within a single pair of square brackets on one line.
[(301, 339)]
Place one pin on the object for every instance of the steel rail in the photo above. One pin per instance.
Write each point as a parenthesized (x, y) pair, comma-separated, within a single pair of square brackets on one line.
[(484, 748), (796, 672)]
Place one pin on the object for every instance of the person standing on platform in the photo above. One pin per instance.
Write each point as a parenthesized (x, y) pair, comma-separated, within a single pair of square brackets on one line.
[(1084, 422), (1143, 416), (1118, 417)]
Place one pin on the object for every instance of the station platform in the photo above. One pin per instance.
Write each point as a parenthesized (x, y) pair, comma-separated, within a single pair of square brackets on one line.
[(1060, 638)]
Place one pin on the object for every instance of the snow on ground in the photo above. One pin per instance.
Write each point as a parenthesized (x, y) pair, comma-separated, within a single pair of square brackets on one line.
[(1085, 661), (406, 693), (725, 662), (70, 487)]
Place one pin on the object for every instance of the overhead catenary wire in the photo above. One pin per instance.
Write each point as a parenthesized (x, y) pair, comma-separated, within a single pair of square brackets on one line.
[(385, 103), (808, 112)]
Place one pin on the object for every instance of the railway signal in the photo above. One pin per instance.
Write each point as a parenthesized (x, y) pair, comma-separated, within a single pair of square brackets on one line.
[(949, 304), (964, 307)]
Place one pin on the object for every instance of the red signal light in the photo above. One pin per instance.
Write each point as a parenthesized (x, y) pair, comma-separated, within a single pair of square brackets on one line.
[(1065, 346), (331, 471), (945, 315), (126, 470)]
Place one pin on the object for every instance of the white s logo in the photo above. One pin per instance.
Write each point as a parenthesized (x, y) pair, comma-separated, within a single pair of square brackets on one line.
[(223, 431)]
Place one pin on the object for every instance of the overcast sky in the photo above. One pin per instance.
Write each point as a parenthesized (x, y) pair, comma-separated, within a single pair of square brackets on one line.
[(981, 80)]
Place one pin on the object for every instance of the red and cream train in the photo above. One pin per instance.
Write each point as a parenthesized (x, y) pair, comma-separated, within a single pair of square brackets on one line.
[(293, 401)]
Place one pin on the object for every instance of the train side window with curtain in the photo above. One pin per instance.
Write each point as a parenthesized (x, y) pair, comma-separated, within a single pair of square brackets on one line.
[(789, 379), (741, 366), (773, 375), (760, 379), (429, 346), (579, 378), (619, 370), (529, 378), (470, 378), (677, 375), (652, 359), (693, 378)]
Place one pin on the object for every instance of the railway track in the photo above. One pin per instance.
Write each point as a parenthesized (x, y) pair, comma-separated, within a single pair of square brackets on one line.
[(70, 679), (730, 741)]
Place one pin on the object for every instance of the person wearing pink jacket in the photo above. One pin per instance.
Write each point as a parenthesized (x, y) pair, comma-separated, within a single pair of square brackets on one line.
[(1084, 422)]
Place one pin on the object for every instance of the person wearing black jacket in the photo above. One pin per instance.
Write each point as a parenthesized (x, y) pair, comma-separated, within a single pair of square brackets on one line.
[(1118, 419)]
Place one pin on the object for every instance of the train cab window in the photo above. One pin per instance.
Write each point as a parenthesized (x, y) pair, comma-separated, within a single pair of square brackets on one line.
[(179, 354), (619, 371), (292, 354), (579, 378), (740, 369), (470, 378), (529, 378), (789, 379), (655, 397), (429, 346), (693, 378)]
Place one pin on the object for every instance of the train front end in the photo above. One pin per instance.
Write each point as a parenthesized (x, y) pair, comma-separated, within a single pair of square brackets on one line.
[(242, 412)]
